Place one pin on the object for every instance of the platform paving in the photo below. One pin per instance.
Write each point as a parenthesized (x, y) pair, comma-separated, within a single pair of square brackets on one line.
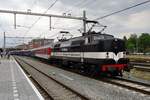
[(14, 84)]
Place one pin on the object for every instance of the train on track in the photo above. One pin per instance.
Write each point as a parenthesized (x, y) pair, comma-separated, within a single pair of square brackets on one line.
[(93, 53)]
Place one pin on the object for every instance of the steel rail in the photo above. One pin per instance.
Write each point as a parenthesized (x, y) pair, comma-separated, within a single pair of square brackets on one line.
[(41, 89), (128, 86)]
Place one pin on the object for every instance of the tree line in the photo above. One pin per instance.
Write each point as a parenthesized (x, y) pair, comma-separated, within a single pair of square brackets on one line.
[(138, 44)]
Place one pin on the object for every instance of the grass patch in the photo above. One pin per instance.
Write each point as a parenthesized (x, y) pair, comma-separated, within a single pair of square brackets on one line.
[(139, 58), (140, 74)]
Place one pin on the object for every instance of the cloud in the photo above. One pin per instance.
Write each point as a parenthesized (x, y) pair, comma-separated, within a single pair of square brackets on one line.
[(139, 20)]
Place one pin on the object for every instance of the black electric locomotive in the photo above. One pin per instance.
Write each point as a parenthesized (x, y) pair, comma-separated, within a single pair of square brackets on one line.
[(92, 52)]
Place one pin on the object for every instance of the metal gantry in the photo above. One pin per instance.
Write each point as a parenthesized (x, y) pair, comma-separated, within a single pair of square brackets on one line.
[(46, 15)]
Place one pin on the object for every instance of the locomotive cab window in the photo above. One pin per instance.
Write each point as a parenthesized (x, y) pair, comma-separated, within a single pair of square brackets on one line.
[(65, 44), (88, 39), (109, 37), (99, 37)]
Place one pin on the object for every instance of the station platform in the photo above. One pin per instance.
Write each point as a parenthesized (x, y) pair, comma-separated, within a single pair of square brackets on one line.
[(14, 84)]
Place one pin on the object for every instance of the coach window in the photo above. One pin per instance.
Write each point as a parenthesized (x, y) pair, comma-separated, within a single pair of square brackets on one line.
[(88, 40), (57, 45)]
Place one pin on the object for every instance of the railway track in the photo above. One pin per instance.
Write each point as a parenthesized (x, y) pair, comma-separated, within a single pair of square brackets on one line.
[(44, 93), (141, 64), (143, 68), (55, 89), (127, 84)]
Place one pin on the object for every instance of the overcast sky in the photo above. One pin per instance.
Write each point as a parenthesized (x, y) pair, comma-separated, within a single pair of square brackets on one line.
[(136, 20)]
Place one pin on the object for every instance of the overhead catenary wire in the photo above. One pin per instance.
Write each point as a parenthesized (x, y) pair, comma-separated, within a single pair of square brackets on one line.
[(45, 12), (33, 4), (76, 4), (80, 4), (69, 10), (122, 10), (57, 20), (87, 3), (41, 16), (119, 11)]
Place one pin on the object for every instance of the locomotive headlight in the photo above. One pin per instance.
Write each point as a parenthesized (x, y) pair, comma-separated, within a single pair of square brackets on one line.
[(107, 55)]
